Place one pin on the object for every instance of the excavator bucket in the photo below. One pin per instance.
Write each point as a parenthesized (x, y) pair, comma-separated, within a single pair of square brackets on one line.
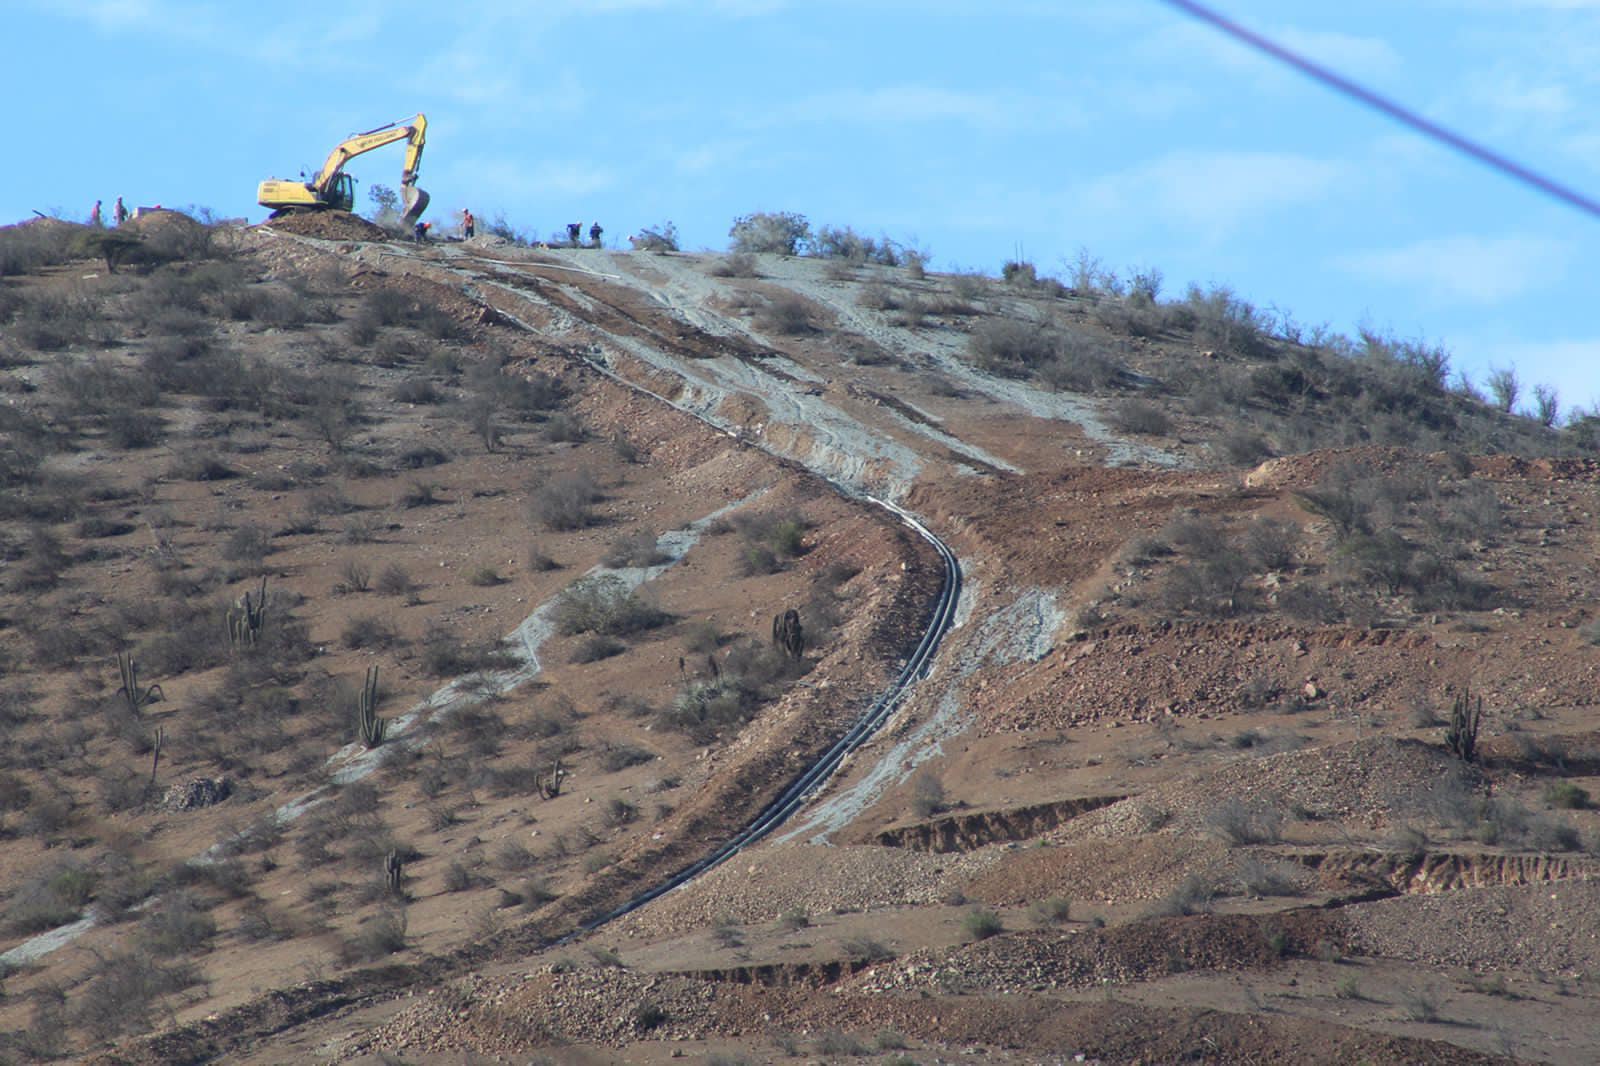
[(416, 201)]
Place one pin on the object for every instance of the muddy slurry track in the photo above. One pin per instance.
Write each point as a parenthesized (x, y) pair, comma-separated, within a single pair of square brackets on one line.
[(1046, 800)]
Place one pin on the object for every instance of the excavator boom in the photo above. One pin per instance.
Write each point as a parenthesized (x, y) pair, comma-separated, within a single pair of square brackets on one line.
[(331, 189)]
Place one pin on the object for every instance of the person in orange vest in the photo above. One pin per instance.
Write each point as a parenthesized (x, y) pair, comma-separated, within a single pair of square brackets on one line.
[(469, 224), (94, 216)]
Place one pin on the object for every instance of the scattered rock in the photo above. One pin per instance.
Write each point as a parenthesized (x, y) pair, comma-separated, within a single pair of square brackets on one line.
[(192, 795)]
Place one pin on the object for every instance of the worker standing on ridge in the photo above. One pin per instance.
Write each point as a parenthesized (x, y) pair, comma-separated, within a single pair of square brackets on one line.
[(468, 223), (94, 216), (594, 234), (574, 233), (119, 214)]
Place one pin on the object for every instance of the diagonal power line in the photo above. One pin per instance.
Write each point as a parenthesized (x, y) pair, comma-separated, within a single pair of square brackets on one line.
[(1386, 106)]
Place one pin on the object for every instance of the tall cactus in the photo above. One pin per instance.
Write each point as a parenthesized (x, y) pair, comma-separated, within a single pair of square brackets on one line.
[(155, 758), (1461, 735), (394, 874), (138, 698), (370, 727), (246, 618)]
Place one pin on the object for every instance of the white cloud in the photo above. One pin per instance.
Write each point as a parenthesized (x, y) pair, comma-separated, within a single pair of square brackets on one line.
[(926, 103), (1529, 5), (508, 182), (709, 157), (1348, 53), (1464, 269), (1213, 194), (108, 15), (571, 178), (520, 11), (1352, 55), (1566, 363)]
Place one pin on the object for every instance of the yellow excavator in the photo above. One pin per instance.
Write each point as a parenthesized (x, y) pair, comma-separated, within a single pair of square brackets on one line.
[(333, 189)]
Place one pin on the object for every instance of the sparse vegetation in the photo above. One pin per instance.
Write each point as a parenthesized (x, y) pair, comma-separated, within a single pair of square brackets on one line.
[(662, 238), (981, 923), (279, 446), (927, 794), (777, 232), (604, 605), (1239, 822), (565, 502), (1056, 910)]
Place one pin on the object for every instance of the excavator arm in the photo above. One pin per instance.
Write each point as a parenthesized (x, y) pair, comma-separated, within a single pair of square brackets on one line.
[(322, 190)]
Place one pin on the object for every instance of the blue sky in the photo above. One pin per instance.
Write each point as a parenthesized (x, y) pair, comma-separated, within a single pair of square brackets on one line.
[(973, 129)]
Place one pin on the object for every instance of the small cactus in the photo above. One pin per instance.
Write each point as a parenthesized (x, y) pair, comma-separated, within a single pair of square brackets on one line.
[(246, 618), (370, 727), (138, 698), (1461, 735), (550, 787)]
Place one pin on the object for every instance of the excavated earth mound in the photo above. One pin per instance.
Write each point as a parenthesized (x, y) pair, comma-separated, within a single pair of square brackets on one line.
[(1361, 782), (1035, 961), (329, 226), (1110, 871), (1548, 928), (764, 885)]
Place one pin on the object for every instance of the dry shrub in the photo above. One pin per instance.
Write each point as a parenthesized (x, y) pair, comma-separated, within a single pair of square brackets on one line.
[(787, 314), (565, 502), (124, 990), (1139, 416), (1237, 822)]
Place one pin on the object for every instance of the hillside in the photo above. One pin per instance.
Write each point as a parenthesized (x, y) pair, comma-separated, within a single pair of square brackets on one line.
[(1172, 782)]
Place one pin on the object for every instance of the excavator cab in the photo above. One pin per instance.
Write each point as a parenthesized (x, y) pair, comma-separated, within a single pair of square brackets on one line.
[(342, 193)]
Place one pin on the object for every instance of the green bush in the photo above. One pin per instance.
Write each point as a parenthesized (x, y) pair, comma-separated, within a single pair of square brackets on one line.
[(1056, 910), (982, 923), (603, 604), (1566, 795)]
